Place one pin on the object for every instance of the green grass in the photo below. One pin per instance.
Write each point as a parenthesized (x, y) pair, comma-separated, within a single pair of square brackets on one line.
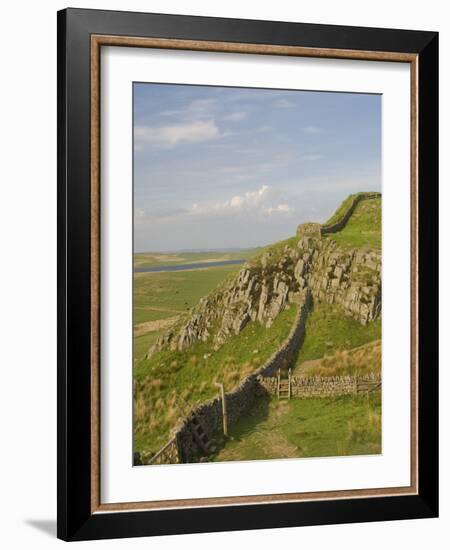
[(155, 259), (333, 426), (359, 361), (341, 210), (172, 377), (145, 313), (159, 296), (162, 295), (363, 230), (275, 250), (143, 343), (329, 329)]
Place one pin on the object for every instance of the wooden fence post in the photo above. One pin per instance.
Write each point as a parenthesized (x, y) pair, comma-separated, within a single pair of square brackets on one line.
[(289, 384), (278, 383), (224, 408)]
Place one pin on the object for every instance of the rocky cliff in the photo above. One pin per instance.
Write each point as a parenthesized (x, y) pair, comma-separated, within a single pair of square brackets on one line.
[(279, 276)]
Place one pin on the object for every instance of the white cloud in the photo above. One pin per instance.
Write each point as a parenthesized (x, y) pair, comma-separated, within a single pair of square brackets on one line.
[(204, 109), (236, 116), (279, 209), (230, 169), (145, 217), (312, 130), (262, 201), (203, 104), (284, 103), (197, 108), (261, 129), (171, 135), (311, 157)]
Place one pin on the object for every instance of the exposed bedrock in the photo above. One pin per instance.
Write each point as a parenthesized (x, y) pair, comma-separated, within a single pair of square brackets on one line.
[(267, 284)]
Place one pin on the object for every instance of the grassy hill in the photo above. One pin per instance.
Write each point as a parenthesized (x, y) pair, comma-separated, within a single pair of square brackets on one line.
[(334, 426), (363, 230), (334, 343), (329, 330), (359, 361), (187, 377)]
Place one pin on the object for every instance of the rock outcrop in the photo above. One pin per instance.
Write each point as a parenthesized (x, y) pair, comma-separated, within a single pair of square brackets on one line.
[(281, 275), (260, 292), (350, 278)]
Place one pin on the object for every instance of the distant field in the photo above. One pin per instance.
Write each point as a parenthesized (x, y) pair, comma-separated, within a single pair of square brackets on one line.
[(364, 227), (154, 259), (143, 343), (334, 426), (160, 296), (329, 329)]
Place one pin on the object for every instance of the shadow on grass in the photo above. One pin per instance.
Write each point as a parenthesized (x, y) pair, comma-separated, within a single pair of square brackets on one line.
[(247, 424)]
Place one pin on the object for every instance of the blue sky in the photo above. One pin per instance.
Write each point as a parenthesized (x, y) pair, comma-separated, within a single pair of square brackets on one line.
[(219, 167)]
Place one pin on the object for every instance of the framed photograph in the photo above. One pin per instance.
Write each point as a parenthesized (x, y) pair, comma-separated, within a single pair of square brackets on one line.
[(247, 262)]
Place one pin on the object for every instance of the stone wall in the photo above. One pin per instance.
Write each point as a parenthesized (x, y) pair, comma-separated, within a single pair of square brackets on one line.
[(311, 268), (309, 229), (264, 285), (340, 224), (238, 401), (259, 292), (322, 386), (290, 347), (182, 447), (209, 416), (168, 454)]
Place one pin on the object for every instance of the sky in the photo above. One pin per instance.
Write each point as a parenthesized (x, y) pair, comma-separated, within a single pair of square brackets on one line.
[(218, 168)]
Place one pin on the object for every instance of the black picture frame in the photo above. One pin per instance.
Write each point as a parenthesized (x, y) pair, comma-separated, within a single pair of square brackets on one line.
[(75, 518)]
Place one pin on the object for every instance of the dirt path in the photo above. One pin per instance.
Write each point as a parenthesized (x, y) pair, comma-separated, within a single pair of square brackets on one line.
[(265, 441), (162, 309), (154, 326), (276, 443)]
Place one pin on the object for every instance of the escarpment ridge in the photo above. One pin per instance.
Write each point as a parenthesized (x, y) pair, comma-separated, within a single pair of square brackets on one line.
[(312, 261)]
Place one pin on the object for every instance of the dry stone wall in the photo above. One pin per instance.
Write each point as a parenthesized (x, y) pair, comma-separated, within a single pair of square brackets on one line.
[(259, 293), (321, 386), (265, 285), (168, 454), (340, 224), (182, 447), (309, 229), (238, 401), (311, 268)]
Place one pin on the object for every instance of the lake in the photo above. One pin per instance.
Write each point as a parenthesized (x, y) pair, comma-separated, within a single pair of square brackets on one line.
[(183, 267)]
